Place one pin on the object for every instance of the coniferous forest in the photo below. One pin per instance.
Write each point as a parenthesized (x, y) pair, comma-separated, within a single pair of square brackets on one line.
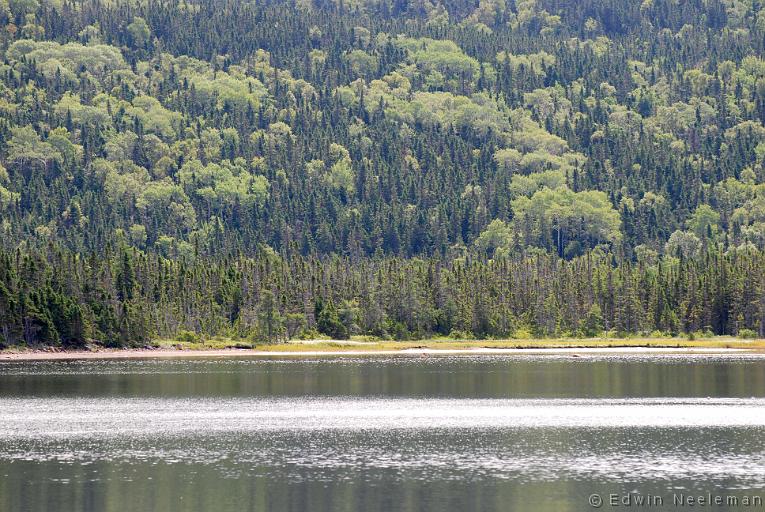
[(272, 169)]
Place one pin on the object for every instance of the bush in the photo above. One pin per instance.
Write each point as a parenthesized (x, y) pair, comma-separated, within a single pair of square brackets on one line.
[(187, 336), (522, 334), (747, 334), (310, 334), (398, 330), (459, 334), (695, 335)]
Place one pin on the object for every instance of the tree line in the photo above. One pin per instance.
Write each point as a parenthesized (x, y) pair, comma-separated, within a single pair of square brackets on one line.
[(126, 297)]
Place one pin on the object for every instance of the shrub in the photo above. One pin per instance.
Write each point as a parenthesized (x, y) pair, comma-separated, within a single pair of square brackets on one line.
[(458, 334), (522, 334), (747, 334), (187, 336)]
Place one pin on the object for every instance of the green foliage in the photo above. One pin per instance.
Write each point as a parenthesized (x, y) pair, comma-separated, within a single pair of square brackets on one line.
[(463, 136), (362, 63), (23, 7), (557, 218), (223, 185), (441, 64), (186, 336), (270, 327), (328, 320), (295, 325), (498, 236), (592, 324), (26, 149), (139, 31), (683, 244), (129, 297), (705, 222), (67, 60)]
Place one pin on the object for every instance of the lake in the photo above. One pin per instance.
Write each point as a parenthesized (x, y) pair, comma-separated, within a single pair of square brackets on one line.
[(381, 433)]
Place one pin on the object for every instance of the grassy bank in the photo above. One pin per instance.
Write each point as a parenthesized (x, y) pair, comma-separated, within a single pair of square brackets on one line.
[(447, 344), (227, 347)]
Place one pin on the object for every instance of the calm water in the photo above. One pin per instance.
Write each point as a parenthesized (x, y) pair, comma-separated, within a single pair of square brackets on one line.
[(380, 433)]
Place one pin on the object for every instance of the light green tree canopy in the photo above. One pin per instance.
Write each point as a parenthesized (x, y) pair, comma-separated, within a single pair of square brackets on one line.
[(27, 149), (704, 222), (139, 31), (552, 218)]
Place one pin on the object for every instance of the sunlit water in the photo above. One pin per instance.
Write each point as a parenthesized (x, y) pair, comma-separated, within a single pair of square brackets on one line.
[(397, 433)]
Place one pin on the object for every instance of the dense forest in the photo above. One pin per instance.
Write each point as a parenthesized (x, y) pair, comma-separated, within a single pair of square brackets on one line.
[(273, 169)]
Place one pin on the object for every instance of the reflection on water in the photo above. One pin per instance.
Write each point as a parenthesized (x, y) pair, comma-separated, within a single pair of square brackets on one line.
[(87, 417), (377, 434), (466, 377)]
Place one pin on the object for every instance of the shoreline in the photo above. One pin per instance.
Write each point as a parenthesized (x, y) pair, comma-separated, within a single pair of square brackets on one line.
[(307, 350)]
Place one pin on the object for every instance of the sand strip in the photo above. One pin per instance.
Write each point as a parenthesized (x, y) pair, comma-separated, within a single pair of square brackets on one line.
[(174, 353)]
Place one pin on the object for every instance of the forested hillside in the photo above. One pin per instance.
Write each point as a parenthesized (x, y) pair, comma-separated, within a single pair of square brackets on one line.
[(270, 169)]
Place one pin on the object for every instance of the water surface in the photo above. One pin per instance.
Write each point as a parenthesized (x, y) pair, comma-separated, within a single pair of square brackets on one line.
[(378, 433)]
